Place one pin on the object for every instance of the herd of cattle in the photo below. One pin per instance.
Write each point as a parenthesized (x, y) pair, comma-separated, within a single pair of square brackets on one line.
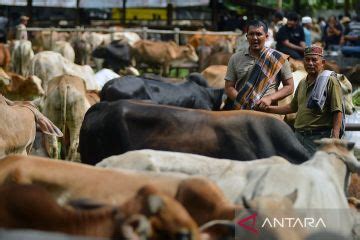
[(167, 163)]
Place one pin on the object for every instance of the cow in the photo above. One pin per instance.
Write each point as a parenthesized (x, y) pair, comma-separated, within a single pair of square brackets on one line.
[(105, 75), (162, 53), (68, 181), (111, 128), (44, 40), (18, 122), (65, 49), (4, 56), (188, 94), (226, 43), (229, 175), (215, 75), (21, 56), (48, 64), (116, 55), (325, 176), (65, 104), (82, 51), (33, 207), (19, 87)]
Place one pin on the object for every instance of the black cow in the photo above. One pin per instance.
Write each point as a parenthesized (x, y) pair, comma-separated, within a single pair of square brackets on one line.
[(116, 55), (189, 94), (111, 128)]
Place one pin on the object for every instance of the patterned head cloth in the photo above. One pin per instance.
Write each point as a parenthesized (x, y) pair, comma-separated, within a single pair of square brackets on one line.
[(314, 50)]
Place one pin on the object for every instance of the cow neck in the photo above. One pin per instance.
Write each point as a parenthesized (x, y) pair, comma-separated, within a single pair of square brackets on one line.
[(333, 164)]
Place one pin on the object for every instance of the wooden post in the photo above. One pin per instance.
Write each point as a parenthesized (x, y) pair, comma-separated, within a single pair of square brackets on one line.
[(123, 14), (279, 4), (29, 9), (78, 13), (177, 35), (169, 14), (214, 14), (346, 7)]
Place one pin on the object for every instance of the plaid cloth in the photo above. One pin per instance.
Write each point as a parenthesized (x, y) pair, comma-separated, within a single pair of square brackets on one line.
[(262, 76)]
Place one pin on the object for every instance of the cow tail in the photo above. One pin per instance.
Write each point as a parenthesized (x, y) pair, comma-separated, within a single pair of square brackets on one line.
[(63, 116)]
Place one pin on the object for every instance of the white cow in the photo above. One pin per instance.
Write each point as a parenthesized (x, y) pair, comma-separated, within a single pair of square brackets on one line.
[(105, 75), (320, 182), (229, 175), (65, 49), (21, 56), (48, 64)]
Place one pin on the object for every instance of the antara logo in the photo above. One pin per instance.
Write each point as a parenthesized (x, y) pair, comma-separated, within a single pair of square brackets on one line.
[(250, 227), (249, 223)]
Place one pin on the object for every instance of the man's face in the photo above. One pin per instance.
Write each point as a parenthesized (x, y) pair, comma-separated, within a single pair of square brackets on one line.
[(313, 64), (256, 37), (291, 23)]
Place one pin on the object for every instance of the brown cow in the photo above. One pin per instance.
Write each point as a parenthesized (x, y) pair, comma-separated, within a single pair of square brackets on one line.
[(19, 87), (65, 105), (215, 75), (31, 206), (225, 43), (4, 56), (18, 121), (67, 181), (163, 53)]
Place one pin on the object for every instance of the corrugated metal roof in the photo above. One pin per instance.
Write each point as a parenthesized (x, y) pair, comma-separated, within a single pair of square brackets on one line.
[(107, 3)]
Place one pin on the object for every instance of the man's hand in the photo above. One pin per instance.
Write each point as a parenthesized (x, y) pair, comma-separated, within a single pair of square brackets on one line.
[(264, 103)]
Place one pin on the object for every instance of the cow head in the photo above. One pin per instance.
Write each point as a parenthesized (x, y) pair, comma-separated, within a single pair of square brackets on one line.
[(342, 149), (168, 219), (190, 53), (33, 86), (346, 89)]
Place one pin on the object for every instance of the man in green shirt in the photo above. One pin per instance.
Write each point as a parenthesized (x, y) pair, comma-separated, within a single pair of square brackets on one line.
[(317, 102)]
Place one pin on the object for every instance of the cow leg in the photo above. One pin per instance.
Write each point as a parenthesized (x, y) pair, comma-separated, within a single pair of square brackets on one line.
[(204, 201)]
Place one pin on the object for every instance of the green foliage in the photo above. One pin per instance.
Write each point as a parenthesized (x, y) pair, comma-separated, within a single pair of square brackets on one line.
[(356, 99)]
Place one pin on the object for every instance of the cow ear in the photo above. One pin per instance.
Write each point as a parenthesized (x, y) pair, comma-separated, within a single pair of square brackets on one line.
[(155, 203), (350, 146), (172, 52), (293, 196), (247, 203)]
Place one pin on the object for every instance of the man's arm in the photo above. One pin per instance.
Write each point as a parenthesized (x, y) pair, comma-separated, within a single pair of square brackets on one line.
[(230, 90), (337, 118), (288, 88), (286, 109), (288, 44)]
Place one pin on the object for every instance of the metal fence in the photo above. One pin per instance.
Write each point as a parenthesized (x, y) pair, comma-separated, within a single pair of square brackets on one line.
[(143, 32)]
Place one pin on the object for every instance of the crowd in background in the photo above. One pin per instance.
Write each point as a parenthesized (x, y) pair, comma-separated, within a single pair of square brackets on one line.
[(293, 33)]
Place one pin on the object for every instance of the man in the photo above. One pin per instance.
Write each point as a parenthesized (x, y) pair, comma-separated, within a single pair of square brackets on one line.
[(21, 33), (307, 25), (254, 73), (291, 38), (317, 101)]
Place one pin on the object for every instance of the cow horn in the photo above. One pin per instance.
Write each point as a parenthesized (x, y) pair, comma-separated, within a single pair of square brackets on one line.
[(155, 203), (293, 196)]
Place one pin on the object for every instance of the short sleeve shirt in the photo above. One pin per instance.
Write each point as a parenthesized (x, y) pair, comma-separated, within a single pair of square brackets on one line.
[(294, 35), (307, 118), (242, 63)]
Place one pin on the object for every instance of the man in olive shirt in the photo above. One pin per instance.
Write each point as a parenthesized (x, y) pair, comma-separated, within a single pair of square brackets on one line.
[(250, 76), (319, 113)]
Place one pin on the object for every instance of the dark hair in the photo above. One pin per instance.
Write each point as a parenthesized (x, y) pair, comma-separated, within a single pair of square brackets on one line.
[(292, 16), (257, 24), (279, 15)]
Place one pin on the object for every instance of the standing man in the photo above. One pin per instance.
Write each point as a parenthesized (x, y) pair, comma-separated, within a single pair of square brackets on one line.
[(254, 73), (307, 26), (21, 33), (317, 101), (291, 38)]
